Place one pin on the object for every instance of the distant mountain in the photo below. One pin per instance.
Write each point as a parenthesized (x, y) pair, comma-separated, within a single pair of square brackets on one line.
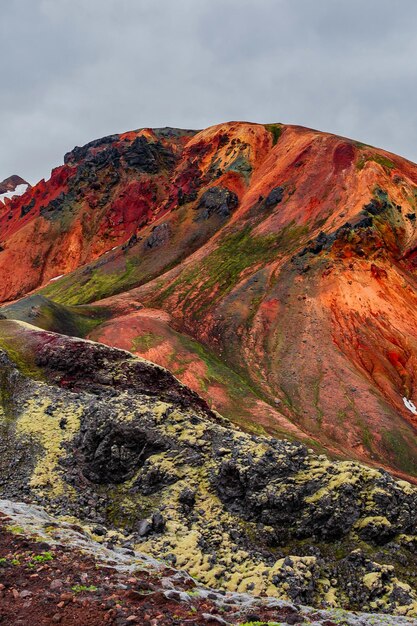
[(13, 186)]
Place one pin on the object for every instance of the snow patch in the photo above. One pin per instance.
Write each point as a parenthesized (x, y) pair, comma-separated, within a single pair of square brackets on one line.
[(56, 278), (410, 405), (19, 191)]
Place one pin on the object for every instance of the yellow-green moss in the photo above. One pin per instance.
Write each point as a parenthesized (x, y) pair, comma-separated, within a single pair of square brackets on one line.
[(44, 429), (375, 521), (17, 347)]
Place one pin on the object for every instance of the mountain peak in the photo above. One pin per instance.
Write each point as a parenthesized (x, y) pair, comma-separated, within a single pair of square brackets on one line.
[(13, 186)]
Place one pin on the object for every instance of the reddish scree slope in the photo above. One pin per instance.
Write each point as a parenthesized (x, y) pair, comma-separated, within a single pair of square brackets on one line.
[(286, 294)]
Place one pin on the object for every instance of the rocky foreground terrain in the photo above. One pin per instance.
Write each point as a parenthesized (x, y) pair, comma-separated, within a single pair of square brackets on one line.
[(207, 379), (55, 573)]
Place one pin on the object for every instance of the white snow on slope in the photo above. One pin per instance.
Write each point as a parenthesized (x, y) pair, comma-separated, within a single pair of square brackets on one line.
[(410, 405)]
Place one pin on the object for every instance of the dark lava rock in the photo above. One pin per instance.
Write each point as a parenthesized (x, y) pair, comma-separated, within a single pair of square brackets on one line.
[(79, 153), (187, 496), (103, 158), (99, 530), (184, 197), (160, 235), (149, 157), (324, 241), (158, 522), (374, 207), (152, 479), (91, 366), (27, 208), (144, 528), (54, 209), (295, 618), (131, 242), (217, 200), (113, 452), (274, 197)]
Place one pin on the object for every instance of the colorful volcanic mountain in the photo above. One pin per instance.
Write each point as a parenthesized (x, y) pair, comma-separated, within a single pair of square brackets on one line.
[(271, 268)]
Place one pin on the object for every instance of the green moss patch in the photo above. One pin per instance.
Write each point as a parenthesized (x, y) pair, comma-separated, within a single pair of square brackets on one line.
[(385, 162), (275, 130), (95, 285), (219, 272), (68, 320)]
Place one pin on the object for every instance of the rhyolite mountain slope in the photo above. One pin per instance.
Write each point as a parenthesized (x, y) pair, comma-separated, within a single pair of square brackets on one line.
[(118, 443), (271, 268)]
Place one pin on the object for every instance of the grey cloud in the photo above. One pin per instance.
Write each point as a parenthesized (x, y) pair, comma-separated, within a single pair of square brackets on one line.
[(74, 70)]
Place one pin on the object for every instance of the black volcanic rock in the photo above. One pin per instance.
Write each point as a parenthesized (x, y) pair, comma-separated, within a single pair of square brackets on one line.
[(274, 197), (147, 156), (217, 200)]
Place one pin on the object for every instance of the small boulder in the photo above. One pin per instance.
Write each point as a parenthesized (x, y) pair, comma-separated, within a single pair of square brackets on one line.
[(160, 235), (56, 585), (274, 197), (158, 522), (144, 527)]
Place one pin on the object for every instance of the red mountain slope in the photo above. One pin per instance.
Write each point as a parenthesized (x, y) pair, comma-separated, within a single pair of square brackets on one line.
[(271, 268)]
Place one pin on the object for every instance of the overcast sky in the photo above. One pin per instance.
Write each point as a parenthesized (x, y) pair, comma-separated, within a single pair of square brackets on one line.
[(75, 70)]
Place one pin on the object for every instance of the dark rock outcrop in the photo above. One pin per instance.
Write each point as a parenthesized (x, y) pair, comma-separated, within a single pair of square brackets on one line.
[(147, 156), (80, 153), (274, 197), (217, 200), (160, 235)]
